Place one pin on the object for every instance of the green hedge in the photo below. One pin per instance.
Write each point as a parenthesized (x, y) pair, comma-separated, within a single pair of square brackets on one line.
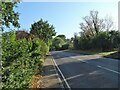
[(21, 59)]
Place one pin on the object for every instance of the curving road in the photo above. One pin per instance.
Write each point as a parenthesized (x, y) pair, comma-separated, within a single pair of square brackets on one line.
[(88, 71)]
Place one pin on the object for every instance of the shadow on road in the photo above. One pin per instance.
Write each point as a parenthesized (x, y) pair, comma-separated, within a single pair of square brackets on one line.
[(82, 75)]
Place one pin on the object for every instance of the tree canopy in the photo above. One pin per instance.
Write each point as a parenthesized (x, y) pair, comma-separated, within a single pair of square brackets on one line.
[(9, 16), (62, 36), (43, 30), (97, 34)]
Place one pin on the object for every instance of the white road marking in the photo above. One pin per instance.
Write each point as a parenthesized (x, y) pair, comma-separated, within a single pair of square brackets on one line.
[(72, 57), (58, 76), (108, 69), (62, 75), (75, 76), (82, 60), (101, 67), (85, 62)]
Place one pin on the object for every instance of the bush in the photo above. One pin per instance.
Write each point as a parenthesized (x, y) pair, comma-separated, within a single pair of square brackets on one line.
[(118, 48), (57, 43), (102, 41), (21, 59), (65, 46)]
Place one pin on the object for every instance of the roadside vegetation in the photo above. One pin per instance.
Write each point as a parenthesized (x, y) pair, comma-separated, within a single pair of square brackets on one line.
[(60, 43), (23, 53), (97, 36)]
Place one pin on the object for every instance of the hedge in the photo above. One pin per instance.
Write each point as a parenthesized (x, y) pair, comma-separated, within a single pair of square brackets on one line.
[(21, 59)]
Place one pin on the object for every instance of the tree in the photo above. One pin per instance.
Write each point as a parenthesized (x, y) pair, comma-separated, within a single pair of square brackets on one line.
[(93, 25), (20, 34), (62, 36), (115, 38), (57, 43), (96, 33), (108, 23), (102, 41), (43, 30), (60, 43), (76, 41), (8, 15)]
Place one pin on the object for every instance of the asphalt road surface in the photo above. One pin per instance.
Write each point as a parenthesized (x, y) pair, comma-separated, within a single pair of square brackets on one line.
[(88, 71)]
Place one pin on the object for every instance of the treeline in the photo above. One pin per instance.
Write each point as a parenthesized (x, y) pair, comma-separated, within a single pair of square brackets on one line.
[(97, 34), (23, 53), (104, 41), (59, 43)]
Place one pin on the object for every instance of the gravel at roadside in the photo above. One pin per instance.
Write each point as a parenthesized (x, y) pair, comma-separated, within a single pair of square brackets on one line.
[(50, 76)]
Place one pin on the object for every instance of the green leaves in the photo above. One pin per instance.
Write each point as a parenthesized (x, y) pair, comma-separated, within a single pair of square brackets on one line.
[(20, 60), (9, 16), (43, 30)]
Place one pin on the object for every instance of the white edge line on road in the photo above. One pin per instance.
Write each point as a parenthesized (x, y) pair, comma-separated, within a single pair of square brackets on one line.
[(58, 76), (108, 69), (62, 75)]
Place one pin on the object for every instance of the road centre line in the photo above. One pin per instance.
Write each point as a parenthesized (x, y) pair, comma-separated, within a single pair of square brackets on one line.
[(101, 67), (108, 69), (98, 66)]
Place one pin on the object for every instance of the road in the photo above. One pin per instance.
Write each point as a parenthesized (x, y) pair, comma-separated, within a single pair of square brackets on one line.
[(87, 71)]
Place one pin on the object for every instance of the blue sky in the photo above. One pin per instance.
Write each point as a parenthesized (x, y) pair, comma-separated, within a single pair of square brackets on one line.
[(64, 16)]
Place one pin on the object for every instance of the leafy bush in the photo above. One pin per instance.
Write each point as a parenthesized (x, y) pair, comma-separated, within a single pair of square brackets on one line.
[(57, 43), (65, 46), (119, 49), (102, 41), (20, 60)]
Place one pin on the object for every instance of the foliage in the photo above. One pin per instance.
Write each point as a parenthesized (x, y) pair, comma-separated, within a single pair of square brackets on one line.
[(97, 34), (104, 41), (93, 24), (62, 36), (20, 60), (57, 43), (21, 34), (65, 46), (60, 43), (76, 41), (43, 30), (8, 14), (119, 49)]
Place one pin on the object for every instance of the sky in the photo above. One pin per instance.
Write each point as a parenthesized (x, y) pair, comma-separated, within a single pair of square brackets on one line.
[(64, 16)]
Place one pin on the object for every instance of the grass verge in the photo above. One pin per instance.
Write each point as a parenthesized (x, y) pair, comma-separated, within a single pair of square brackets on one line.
[(110, 54)]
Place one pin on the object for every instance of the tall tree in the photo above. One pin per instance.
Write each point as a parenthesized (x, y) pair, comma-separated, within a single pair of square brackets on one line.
[(76, 41), (43, 30), (108, 23), (93, 24)]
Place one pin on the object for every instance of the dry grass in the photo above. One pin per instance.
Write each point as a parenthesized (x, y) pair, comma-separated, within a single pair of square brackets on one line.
[(36, 82)]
